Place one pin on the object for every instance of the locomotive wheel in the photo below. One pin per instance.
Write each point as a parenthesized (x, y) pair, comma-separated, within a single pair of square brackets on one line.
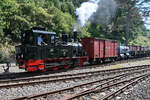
[(44, 70), (66, 66), (55, 68), (91, 61), (75, 63)]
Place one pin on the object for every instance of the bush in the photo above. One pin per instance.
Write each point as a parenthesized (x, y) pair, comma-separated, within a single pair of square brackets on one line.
[(7, 54), (3, 59)]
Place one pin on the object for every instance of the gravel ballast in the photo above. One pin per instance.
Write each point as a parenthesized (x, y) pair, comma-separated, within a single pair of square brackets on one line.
[(139, 92)]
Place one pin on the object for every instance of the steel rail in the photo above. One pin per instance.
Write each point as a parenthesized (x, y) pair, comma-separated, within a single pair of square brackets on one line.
[(76, 74), (114, 94), (64, 78), (69, 88), (93, 90)]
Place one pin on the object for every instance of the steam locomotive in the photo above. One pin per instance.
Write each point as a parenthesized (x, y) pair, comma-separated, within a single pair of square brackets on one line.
[(68, 52), (56, 54)]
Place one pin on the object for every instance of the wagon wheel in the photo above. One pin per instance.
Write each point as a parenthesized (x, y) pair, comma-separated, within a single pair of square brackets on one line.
[(99, 61)]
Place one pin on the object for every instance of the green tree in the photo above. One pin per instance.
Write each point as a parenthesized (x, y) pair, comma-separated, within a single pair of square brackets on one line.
[(64, 7), (57, 4), (59, 16), (8, 10), (71, 8)]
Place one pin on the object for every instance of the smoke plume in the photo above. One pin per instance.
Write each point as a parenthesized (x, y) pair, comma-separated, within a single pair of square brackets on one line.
[(106, 10), (96, 11), (86, 10)]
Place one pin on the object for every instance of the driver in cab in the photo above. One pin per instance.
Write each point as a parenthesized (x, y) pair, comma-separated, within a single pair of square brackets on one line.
[(40, 40)]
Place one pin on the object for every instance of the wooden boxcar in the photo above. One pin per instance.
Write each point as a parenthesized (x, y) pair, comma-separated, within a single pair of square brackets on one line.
[(100, 49)]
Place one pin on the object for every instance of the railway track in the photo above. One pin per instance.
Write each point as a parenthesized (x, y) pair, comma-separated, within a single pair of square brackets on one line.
[(54, 78), (112, 63), (124, 78), (32, 74), (101, 88)]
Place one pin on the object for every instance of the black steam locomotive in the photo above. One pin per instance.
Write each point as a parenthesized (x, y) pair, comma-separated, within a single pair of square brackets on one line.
[(52, 54)]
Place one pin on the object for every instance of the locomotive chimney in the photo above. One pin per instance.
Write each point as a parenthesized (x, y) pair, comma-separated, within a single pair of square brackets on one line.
[(75, 33), (64, 37)]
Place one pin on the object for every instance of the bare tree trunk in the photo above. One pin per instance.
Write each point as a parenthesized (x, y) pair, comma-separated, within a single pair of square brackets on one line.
[(127, 31), (127, 28)]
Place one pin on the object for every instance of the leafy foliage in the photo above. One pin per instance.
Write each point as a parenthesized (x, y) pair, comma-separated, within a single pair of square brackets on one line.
[(59, 16), (20, 15)]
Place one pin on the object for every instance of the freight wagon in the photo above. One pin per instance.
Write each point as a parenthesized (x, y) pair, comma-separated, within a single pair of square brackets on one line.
[(99, 50)]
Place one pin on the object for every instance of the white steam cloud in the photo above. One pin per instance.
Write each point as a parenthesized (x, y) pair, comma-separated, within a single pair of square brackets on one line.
[(86, 10), (96, 11)]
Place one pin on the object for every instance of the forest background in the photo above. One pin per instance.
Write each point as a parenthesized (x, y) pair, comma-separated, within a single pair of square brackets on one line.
[(127, 26)]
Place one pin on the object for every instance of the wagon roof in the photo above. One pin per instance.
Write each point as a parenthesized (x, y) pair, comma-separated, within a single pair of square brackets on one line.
[(101, 39)]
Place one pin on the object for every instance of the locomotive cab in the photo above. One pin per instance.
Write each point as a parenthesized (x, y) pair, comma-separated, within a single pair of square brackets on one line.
[(30, 50), (30, 37)]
